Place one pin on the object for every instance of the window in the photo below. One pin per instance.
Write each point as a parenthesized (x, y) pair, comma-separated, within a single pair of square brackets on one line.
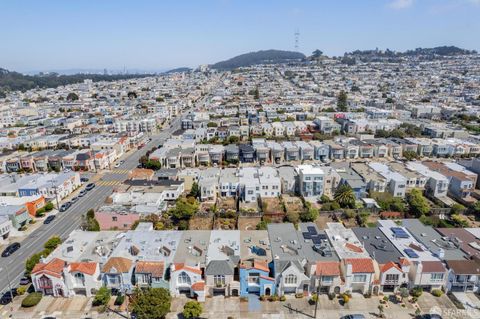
[(327, 279), (391, 277), (436, 277), (79, 279), (184, 279), (308, 178), (359, 278), (291, 279), (219, 280), (114, 218)]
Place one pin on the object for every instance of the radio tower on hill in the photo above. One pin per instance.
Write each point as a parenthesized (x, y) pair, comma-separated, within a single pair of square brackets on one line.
[(297, 37)]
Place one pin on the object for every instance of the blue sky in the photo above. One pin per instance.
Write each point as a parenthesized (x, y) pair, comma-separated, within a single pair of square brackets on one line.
[(63, 34)]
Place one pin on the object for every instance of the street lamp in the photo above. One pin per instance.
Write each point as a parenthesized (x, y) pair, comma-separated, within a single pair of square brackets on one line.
[(9, 287), (54, 184)]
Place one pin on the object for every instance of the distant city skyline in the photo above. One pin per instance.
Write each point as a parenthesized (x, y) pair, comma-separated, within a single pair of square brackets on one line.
[(161, 35)]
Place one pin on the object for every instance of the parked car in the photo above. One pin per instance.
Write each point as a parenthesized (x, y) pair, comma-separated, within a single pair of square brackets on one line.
[(84, 179), (65, 206), (90, 186), (354, 316), (10, 249), (24, 281), (117, 165), (429, 316), (74, 199), (49, 219), (7, 297), (82, 193), (122, 161)]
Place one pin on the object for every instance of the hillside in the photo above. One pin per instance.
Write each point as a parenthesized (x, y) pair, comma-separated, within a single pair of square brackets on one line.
[(259, 57), (14, 81)]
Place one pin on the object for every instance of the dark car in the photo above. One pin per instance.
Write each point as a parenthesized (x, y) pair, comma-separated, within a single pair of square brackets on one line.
[(82, 193), (90, 186), (10, 249), (84, 179), (74, 199), (429, 316), (24, 281), (354, 316), (49, 219), (7, 297)]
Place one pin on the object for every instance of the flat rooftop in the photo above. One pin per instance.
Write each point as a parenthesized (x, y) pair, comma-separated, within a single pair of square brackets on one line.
[(377, 245)]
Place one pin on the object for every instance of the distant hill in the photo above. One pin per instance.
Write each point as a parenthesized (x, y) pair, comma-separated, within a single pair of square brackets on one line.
[(14, 81), (395, 56), (259, 57), (178, 70)]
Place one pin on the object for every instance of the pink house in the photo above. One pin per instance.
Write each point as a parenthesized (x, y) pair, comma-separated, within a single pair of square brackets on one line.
[(110, 218)]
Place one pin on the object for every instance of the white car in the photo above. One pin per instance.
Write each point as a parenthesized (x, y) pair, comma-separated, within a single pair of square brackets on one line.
[(117, 165)]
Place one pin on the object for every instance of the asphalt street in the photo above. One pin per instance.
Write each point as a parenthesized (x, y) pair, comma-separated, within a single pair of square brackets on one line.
[(67, 221)]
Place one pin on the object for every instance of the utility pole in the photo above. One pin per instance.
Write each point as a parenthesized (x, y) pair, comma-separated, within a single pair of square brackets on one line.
[(9, 289), (318, 294), (54, 184)]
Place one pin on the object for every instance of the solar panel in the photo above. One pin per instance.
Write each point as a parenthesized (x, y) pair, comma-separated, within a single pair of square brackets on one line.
[(410, 253), (322, 236), (399, 232), (317, 240), (312, 230), (307, 235)]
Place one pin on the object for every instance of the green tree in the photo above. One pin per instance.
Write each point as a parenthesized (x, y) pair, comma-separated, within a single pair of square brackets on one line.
[(212, 124), (52, 243), (153, 164), (31, 262), (185, 208), (410, 155), (91, 213), (457, 209), (256, 93), (233, 139), (72, 96), (49, 206), (345, 196), (262, 225), (151, 303), (317, 53), (342, 101), (102, 297), (293, 217), (309, 215), (195, 191), (418, 204), (192, 309)]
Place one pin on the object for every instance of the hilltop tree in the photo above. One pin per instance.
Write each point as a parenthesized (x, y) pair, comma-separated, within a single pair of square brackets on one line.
[(72, 96), (151, 303), (317, 53), (192, 309)]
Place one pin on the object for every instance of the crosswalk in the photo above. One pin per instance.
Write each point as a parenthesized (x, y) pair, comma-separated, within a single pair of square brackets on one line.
[(108, 183), (118, 171)]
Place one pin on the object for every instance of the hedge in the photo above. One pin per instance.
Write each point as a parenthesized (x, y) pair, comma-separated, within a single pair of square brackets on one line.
[(32, 299)]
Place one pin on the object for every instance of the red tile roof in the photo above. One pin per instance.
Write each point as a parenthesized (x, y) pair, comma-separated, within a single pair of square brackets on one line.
[(87, 268), (156, 268), (361, 265), (120, 264), (199, 285), (180, 266), (389, 265), (327, 268), (53, 268), (404, 261)]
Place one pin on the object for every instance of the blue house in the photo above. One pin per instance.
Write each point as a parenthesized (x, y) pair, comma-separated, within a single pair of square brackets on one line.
[(255, 279)]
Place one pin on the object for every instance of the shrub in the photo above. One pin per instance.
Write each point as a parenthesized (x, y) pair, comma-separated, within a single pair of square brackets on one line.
[(32, 299), (273, 298), (49, 206), (21, 290), (385, 298), (263, 297), (346, 298), (283, 298), (52, 243), (437, 292), (331, 296), (299, 295), (192, 309), (102, 297), (367, 295), (119, 300), (314, 297), (416, 292)]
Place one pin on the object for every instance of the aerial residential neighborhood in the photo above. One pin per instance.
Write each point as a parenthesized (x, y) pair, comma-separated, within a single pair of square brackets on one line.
[(275, 184)]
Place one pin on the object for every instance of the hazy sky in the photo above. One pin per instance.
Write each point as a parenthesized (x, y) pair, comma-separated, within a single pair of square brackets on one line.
[(63, 34)]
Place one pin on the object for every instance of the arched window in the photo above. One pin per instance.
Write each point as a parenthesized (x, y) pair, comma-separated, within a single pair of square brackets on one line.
[(79, 278), (291, 279), (183, 278)]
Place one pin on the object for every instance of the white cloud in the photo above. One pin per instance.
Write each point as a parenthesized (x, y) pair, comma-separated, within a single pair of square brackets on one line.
[(403, 4)]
